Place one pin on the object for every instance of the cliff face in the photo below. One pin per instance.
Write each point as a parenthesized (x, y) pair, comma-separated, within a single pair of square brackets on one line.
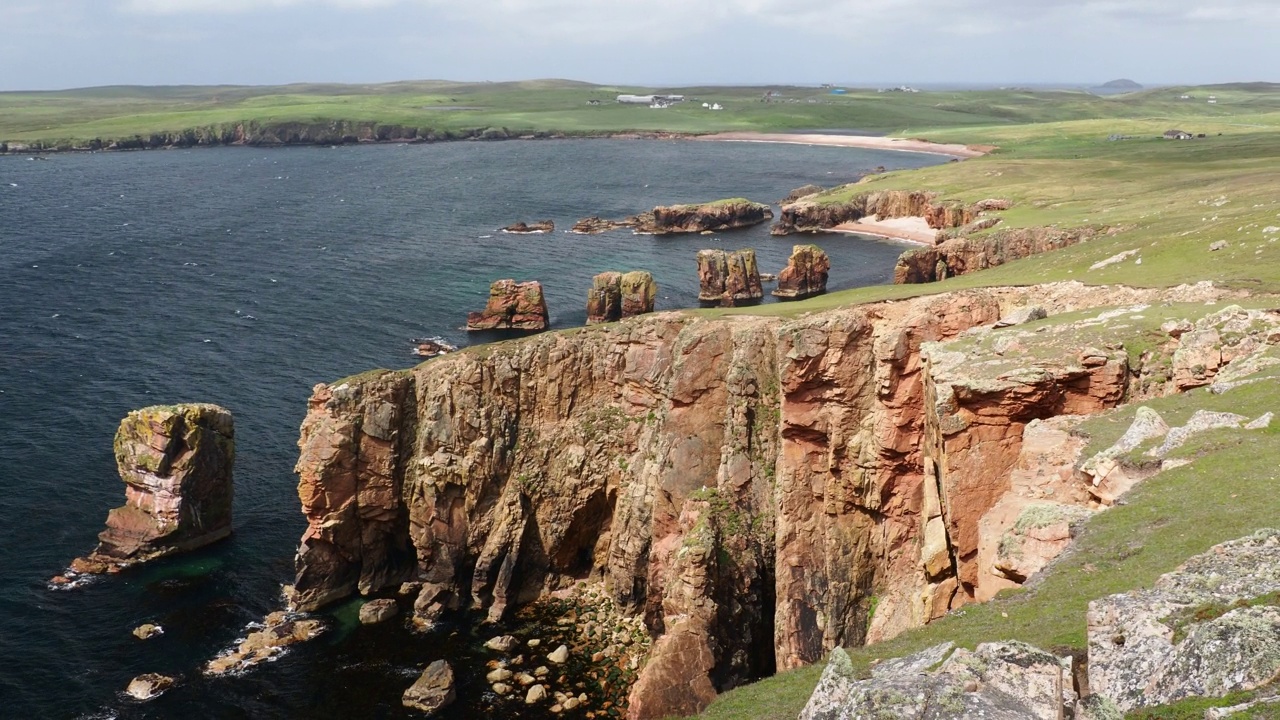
[(805, 215), (962, 255), (745, 485)]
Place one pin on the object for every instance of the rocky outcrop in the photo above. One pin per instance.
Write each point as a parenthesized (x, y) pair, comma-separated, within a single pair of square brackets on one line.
[(595, 225), (715, 216), (537, 228), (963, 255), (148, 686), (801, 192), (729, 278), (512, 306), (175, 461), (998, 681), (1209, 628), (278, 631), (805, 274), (745, 485), (818, 213), (378, 611), (433, 691), (614, 296)]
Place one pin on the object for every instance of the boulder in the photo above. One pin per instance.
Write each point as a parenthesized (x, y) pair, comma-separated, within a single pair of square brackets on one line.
[(145, 687), (997, 681), (729, 278), (433, 690), (376, 611), (805, 274), (540, 227), (560, 655), (512, 306), (502, 643), (175, 461), (536, 694), (1207, 629), (1021, 316)]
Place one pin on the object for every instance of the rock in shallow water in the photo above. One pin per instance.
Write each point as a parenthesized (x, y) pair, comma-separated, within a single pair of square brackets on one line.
[(150, 685), (376, 611), (281, 630), (147, 631), (433, 690)]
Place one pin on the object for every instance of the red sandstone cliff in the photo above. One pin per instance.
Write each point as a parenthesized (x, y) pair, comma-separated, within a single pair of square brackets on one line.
[(745, 485)]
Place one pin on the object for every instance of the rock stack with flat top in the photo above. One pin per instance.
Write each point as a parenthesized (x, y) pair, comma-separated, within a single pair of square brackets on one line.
[(512, 306), (729, 278), (615, 295), (175, 461), (805, 274)]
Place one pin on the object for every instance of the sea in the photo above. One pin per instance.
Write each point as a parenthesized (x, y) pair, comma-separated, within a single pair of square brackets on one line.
[(245, 276)]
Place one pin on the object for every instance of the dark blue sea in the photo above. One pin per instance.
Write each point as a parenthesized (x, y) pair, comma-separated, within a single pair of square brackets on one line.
[(244, 277)]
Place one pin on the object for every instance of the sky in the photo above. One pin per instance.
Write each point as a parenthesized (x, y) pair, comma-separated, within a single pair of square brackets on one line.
[(55, 44)]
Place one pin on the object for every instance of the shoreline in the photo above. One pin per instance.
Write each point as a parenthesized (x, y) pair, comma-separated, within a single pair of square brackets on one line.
[(864, 142), (910, 230)]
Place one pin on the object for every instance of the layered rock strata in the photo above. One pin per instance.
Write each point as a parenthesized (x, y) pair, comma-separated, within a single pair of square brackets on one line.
[(614, 296), (813, 214), (743, 484), (512, 306), (962, 255), (176, 462), (805, 274), (729, 278)]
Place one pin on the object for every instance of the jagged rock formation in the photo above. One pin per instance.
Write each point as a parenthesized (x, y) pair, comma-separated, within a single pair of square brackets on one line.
[(615, 295), (705, 217), (801, 192), (540, 227), (279, 630), (595, 225), (175, 461), (808, 214), (434, 689), (512, 306), (1209, 628), (962, 255), (997, 681), (805, 274), (744, 484), (729, 278)]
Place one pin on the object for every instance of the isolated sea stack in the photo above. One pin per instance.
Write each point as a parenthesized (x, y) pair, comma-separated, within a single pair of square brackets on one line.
[(729, 278), (615, 295), (805, 274), (176, 463), (729, 214), (512, 306)]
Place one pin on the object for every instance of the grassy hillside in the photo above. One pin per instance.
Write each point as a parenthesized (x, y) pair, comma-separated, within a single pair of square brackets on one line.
[(562, 106)]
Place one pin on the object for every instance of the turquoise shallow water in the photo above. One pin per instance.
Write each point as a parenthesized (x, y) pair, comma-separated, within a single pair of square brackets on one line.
[(244, 277)]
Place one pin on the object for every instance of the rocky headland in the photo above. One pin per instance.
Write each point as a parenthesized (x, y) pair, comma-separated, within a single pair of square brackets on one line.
[(744, 486), (176, 462)]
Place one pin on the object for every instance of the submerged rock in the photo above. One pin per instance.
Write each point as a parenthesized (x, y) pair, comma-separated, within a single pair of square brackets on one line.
[(729, 278), (512, 306), (150, 685), (147, 631), (805, 274), (175, 461), (434, 689)]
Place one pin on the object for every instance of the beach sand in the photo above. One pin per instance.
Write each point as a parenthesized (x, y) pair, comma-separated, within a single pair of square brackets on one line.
[(909, 229), (854, 141)]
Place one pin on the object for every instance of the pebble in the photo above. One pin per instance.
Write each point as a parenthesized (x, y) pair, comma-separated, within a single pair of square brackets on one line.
[(498, 676), (536, 694), (559, 655)]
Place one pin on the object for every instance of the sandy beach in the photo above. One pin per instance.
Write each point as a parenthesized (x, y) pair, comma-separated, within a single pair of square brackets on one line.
[(908, 229), (854, 141)]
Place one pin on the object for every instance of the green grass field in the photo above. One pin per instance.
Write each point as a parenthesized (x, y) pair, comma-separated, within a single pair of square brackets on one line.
[(1169, 200)]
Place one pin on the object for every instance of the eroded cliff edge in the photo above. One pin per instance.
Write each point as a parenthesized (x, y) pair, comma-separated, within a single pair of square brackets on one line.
[(747, 485)]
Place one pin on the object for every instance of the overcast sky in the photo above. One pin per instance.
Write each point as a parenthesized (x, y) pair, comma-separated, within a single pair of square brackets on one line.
[(48, 44)]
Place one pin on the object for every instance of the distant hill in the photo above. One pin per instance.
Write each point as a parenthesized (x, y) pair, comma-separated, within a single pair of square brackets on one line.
[(1121, 84)]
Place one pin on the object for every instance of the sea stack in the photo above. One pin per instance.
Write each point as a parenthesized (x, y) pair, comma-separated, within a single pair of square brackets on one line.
[(729, 214), (805, 274), (729, 278), (175, 461), (615, 295), (512, 306)]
